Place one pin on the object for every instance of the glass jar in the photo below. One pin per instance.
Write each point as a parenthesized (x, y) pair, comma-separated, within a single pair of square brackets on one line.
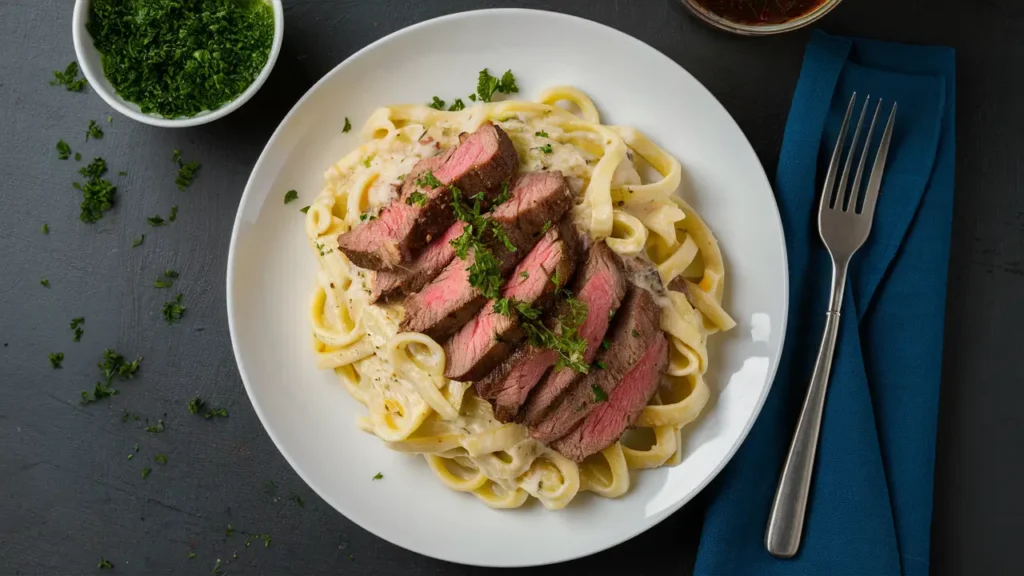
[(760, 17)]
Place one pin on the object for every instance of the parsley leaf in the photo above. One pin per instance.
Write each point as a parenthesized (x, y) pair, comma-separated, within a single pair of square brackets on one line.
[(218, 412), (599, 394), (155, 220), (600, 365), (636, 333), (78, 156), (348, 126), (45, 283), (290, 196), (605, 344), (542, 134), (547, 226), (45, 229), (98, 194), (55, 360), (160, 458), (437, 103), (93, 131), (145, 472), (195, 405), (457, 105), (502, 196), (304, 209), (429, 180), (545, 148), (104, 563), (138, 241), (368, 159), (157, 428), (63, 150), (186, 170), (76, 326), (378, 476), (416, 198), (69, 78), (525, 275), (174, 213), (473, 97), (173, 310), (297, 499), (487, 85)]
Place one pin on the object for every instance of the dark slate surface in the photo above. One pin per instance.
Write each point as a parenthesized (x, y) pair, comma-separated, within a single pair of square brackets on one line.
[(69, 494)]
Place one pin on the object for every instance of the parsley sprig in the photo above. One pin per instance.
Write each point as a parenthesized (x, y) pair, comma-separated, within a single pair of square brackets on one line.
[(69, 78), (113, 366), (487, 85), (97, 193), (186, 170)]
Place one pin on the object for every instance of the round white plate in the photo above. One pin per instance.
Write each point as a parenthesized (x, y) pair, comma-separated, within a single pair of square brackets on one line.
[(271, 274)]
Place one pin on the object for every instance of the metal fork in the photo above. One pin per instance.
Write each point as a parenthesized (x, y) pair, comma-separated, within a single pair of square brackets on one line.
[(843, 230)]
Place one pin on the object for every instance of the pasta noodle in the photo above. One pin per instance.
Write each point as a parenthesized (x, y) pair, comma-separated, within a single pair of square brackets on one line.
[(399, 376)]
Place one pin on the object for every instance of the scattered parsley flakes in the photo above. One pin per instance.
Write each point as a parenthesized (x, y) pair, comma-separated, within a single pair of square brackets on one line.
[(457, 105), (480, 230), (157, 428), (605, 344), (524, 275), (378, 476), (547, 226), (69, 78), (78, 156), (45, 229), (100, 391), (98, 193), (218, 412), (191, 555), (114, 364), (186, 170), (93, 131), (599, 394), (436, 103), (368, 159), (636, 333), (502, 196), (63, 150), (173, 310), (542, 134), (600, 365), (363, 216), (195, 405), (545, 148), (304, 209), (487, 85), (155, 220), (428, 180), (416, 198), (138, 241), (55, 360), (174, 213), (45, 283), (348, 126), (297, 499), (104, 564), (146, 471), (290, 196), (160, 459), (76, 327)]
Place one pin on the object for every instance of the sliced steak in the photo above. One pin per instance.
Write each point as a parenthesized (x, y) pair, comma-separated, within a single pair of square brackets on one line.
[(601, 285), (439, 253), (508, 385), (448, 302), (487, 339), (635, 330), (611, 418), (481, 162)]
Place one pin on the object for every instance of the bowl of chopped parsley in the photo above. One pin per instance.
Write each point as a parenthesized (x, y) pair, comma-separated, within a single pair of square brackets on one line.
[(177, 63)]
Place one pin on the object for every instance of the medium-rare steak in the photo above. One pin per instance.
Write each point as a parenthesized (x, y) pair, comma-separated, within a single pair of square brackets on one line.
[(601, 285), (406, 225), (537, 200), (439, 253), (611, 418), (635, 330)]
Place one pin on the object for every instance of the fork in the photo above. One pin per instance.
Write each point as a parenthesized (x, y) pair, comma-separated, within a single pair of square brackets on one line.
[(843, 229)]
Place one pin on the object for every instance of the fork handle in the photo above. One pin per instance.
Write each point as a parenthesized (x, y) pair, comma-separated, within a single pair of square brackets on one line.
[(786, 521)]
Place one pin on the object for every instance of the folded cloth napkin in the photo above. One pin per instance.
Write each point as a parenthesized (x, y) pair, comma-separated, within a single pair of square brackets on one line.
[(871, 499)]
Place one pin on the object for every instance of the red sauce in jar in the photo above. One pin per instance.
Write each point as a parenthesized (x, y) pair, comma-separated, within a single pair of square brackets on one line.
[(760, 11)]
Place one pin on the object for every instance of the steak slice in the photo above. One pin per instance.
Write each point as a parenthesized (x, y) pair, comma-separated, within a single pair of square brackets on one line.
[(481, 162), (601, 285), (486, 340), (635, 330), (390, 283), (449, 301), (610, 419), (508, 385)]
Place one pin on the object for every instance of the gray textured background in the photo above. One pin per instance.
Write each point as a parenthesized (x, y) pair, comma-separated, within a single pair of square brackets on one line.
[(68, 493)]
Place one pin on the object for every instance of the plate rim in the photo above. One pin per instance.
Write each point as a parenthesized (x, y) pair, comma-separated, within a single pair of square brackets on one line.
[(525, 561)]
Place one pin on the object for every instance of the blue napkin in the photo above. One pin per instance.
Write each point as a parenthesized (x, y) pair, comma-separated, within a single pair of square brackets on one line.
[(871, 501)]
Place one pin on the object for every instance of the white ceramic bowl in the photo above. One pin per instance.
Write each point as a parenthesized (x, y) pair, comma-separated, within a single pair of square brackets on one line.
[(89, 60)]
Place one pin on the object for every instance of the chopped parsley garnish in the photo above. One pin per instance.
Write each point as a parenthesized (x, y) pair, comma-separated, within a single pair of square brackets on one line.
[(186, 170), (524, 275), (167, 280), (195, 405), (378, 476), (155, 220), (545, 148), (78, 156), (636, 333), (364, 216), (160, 458), (218, 412), (600, 365), (368, 159), (76, 327), (304, 209), (100, 391), (145, 472), (93, 131), (502, 196), (229, 531), (98, 194), (174, 213), (297, 499), (114, 364), (45, 283), (180, 58), (45, 229), (55, 360), (104, 563), (487, 85), (457, 105), (191, 555), (599, 394), (290, 196), (122, 172), (69, 78), (605, 344), (110, 119), (63, 150), (348, 126), (556, 280), (157, 428), (416, 198), (429, 180), (472, 97), (173, 310), (138, 241), (542, 134), (547, 226), (436, 103)]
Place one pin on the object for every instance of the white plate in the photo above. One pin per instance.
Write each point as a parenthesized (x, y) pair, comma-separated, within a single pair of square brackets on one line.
[(271, 274)]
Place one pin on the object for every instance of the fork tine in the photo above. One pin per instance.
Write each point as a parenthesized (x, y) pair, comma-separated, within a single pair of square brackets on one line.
[(844, 194), (827, 191), (855, 192), (875, 181)]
